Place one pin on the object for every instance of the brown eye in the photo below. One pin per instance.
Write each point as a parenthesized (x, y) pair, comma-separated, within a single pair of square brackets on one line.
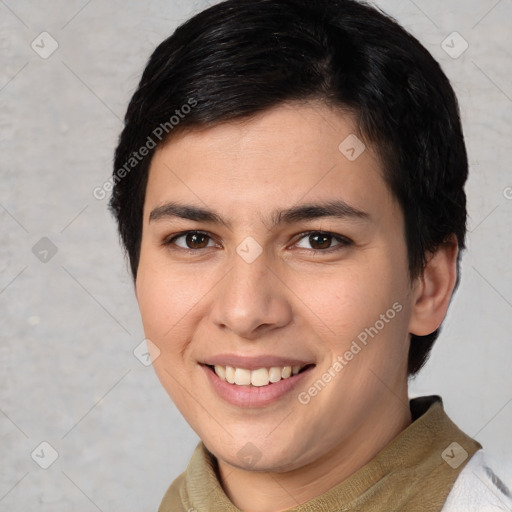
[(193, 240), (196, 240), (322, 241)]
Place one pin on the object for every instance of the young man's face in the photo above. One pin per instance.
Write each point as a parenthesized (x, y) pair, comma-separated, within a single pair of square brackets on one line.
[(271, 290)]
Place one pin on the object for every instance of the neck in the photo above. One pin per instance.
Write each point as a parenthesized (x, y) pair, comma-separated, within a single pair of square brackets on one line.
[(253, 491)]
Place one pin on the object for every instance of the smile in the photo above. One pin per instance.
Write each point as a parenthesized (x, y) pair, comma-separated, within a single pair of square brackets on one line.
[(259, 377), (266, 381)]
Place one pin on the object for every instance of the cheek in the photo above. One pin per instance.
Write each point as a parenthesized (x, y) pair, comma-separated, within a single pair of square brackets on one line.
[(173, 301), (156, 303), (164, 297), (347, 300), (166, 302)]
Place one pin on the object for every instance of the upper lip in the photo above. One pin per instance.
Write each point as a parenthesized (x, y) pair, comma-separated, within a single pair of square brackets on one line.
[(254, 362)]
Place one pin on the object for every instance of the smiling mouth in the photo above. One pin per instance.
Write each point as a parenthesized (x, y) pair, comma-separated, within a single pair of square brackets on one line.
[(258, 377)]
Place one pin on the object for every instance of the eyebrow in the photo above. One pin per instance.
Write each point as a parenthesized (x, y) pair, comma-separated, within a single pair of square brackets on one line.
[(338, 209)]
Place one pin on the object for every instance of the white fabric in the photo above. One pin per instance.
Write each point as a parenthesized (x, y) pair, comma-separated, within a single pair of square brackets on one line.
[(479, 489)]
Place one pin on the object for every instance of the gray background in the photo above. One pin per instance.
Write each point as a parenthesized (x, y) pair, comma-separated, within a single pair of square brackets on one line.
[(70, 324)]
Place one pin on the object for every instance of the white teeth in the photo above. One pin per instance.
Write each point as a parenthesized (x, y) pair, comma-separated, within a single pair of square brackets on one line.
[(220, 371), (275, 373), (230, 374), (258, 378), (287, 371), (242, 377)]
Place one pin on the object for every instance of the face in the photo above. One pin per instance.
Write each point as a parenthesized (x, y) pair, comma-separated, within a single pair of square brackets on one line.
[(273, 285)]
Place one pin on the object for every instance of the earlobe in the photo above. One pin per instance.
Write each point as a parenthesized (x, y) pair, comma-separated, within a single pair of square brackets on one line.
[(434, 288)]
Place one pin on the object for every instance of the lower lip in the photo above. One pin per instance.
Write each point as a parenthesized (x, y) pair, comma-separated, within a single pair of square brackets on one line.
[(254, 396)]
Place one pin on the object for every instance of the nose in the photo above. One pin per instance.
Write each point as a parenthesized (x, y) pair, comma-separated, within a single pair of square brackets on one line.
[(252, 299)]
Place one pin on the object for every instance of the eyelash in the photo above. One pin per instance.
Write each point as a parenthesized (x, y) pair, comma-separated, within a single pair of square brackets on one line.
[(343, 241)]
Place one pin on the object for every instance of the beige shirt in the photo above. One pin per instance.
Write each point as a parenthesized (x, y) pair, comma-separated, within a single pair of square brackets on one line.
[(414, 473)]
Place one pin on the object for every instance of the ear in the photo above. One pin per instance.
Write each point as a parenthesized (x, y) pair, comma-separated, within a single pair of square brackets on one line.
[(433, 289)]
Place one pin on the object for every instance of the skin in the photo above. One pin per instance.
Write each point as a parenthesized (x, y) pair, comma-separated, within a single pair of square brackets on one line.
[(297, 299)]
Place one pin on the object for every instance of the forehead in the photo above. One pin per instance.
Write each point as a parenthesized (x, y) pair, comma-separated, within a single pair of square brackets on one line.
[(288, 132), (286, 155)]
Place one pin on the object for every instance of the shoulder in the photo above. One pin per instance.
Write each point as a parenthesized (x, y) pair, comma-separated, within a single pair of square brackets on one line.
[(172, 500), (484, 485)]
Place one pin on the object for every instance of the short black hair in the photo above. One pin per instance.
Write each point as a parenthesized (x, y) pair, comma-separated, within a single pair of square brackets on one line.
[(241, 57)]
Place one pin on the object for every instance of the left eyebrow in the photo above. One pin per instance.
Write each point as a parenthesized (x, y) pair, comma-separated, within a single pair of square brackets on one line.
[(338, 209)]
